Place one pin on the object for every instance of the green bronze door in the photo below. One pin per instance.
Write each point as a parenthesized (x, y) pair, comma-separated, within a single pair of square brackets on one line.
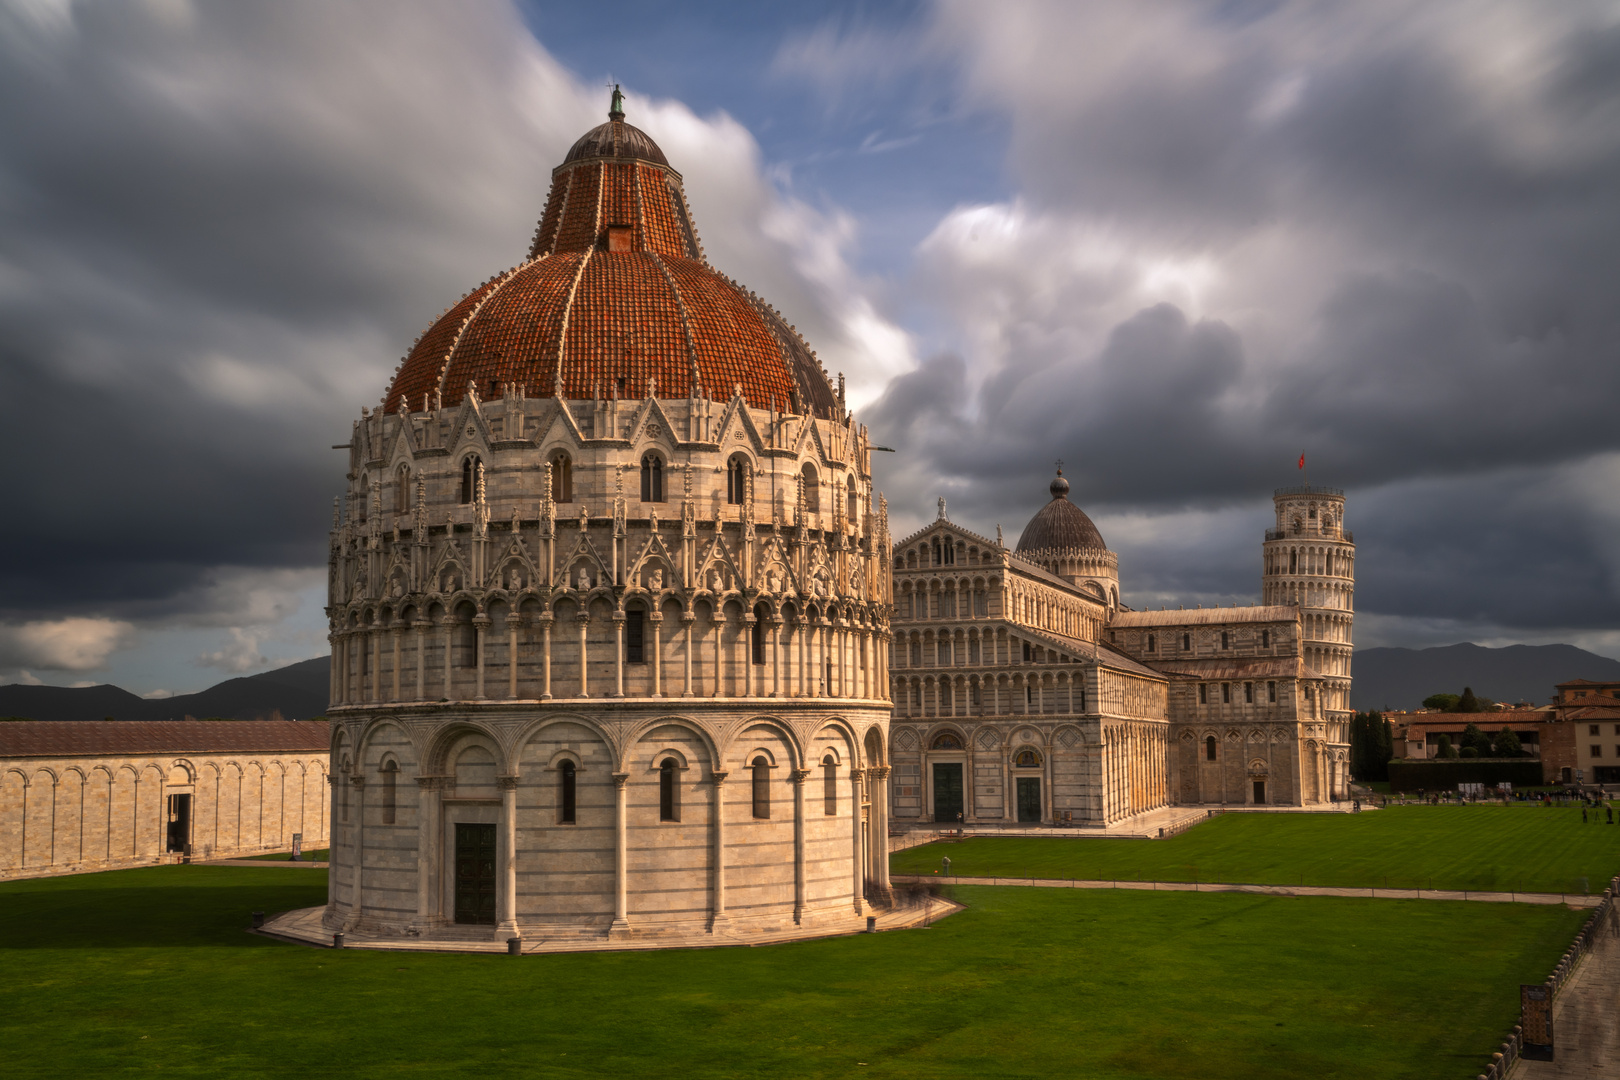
[(475, 874), (947, 791), (1029, 798)]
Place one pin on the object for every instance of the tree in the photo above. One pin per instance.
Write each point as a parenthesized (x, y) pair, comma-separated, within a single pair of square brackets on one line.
[(1468, 702), (1371, 746), (1506, 744), (1441, 702), (1445, 749), (1476, 740)]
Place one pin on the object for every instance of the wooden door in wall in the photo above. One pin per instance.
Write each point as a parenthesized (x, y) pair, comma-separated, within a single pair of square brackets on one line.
[(1029, 798), (475, 874), (948, 791)]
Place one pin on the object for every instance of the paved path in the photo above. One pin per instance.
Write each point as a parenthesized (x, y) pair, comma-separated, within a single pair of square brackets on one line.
[(262, 862), (1268, 890), (1586, 1021), (304, 926)]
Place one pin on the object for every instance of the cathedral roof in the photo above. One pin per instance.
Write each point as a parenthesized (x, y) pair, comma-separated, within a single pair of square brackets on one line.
[(1220, 616), (616, 293), (1060, 524)]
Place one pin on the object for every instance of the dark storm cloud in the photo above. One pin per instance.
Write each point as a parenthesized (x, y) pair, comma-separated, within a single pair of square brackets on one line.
[(1392, 240), (218, 225)]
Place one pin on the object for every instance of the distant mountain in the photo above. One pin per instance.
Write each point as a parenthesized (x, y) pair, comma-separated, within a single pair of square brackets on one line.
[(297, 692), (1402, 678)]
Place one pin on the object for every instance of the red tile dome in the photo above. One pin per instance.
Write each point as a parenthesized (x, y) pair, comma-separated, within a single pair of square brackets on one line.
[(616, 293)]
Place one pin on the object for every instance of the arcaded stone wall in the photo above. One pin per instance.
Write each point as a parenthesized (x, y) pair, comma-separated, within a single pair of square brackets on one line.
[(67, 814)]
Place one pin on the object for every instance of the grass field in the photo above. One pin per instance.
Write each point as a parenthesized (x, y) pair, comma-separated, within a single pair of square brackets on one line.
[(1517, 848), (149, 972)]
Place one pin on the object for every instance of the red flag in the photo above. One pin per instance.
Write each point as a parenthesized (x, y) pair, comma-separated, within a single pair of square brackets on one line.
[(1302, 461)]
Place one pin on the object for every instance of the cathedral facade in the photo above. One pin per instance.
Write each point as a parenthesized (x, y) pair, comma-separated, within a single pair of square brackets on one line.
[(608, 601), (1026, 693)]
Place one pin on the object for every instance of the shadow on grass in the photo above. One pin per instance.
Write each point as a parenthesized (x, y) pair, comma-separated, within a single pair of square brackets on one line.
[(161, 907)]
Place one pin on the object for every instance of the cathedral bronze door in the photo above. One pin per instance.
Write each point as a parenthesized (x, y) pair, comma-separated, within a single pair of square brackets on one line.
[(948, 791), (475, 874), (1029, 798)]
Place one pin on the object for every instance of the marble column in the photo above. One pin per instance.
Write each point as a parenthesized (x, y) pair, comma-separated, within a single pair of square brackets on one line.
[(621, 859), (798, 776), (857, 852), (513, 619), (481, 627), (358, 783), (655, 626), (584, 667), (776, 657), (545, 655), (880, 828), (687, 620), (506, 899), (429, 841), (718, 919), (618, 665), (421, 659)]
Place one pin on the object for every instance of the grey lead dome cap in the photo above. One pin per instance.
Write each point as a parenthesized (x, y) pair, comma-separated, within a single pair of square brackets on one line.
[(1060, 524)]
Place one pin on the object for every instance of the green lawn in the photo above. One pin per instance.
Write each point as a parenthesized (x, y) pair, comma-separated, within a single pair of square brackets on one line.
[(1518, 848), (149, 972)]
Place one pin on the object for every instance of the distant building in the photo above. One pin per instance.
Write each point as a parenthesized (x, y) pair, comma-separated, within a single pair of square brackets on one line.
[(1583, 744), (101, 794), (1025, 692)]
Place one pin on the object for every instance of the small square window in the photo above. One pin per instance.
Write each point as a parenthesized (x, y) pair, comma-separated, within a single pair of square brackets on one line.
[(1597, 751), (1592, 729)]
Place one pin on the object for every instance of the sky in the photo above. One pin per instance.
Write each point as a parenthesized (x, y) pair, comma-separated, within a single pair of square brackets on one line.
[(1173, 245)]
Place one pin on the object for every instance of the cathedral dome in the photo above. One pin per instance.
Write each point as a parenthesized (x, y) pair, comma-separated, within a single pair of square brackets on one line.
[(1060, 524), (616, 299)]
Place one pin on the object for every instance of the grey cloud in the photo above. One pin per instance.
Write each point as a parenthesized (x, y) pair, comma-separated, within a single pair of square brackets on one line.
[(1412, 243), (219, 228)]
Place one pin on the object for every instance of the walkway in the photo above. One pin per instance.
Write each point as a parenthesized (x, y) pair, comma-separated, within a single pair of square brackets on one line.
[(261, 862), (1586, 1021), (304, 926), (1144, 826), (1266, 890)]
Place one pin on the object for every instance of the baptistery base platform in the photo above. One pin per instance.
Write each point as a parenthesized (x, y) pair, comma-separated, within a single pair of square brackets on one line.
[(306, 926)]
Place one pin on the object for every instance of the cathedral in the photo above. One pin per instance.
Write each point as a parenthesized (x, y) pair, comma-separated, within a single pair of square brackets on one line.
[(1025, 692), (620, 638)]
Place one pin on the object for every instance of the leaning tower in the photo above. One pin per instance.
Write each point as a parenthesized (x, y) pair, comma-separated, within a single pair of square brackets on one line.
[(1310, 560)]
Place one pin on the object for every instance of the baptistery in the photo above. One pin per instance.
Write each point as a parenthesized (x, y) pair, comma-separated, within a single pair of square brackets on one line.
[(608, 601)]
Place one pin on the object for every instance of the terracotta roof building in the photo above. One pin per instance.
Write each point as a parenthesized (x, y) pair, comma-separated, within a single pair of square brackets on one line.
[(610, 538)]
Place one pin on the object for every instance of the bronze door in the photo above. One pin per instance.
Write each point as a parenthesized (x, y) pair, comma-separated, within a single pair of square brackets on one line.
[(475, 874)]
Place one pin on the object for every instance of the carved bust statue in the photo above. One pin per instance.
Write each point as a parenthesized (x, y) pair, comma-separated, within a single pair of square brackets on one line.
[(584, 580)]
